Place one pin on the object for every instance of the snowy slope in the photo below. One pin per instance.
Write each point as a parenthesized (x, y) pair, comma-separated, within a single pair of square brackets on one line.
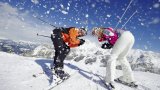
[(26, 73), (91, 52)]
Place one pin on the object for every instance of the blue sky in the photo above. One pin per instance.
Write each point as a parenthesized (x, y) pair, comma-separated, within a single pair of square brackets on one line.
[(145, 25)]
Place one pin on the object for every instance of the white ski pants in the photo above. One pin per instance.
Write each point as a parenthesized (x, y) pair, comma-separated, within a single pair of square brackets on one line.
[(119, 52)]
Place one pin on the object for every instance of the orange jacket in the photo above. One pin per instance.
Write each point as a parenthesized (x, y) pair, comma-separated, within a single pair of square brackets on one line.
[(71, 38)]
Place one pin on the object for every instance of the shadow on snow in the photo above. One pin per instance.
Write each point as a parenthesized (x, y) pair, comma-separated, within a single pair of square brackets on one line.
[(45, 64)]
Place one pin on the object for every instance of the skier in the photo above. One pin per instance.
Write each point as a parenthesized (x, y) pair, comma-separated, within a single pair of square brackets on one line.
[(63, 39), (121, 42)]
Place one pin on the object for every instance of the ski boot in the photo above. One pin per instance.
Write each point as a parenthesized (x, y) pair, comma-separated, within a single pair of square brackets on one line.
[(60, 73)]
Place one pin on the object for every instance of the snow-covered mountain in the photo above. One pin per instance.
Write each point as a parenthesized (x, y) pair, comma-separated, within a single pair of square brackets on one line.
[(30, 73), (90, 53), (17, 47), (84, 64)]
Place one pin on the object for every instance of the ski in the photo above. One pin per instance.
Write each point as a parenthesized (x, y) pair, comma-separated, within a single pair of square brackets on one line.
[(108, 86), (58, 83), (132, 85), (58, 80)]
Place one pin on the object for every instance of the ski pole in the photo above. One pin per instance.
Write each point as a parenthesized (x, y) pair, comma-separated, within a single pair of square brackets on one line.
[(45, 22), (43, 35), (123, 14), (129, 19)]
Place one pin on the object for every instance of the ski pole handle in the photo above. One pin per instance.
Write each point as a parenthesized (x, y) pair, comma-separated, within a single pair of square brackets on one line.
[(45, 22), (43, 35)]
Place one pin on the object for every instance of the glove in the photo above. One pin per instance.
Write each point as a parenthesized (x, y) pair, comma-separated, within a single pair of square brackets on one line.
[(106, 46), (81, 42), (52, 37)]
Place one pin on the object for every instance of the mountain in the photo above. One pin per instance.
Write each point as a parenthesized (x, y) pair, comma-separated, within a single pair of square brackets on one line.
[(30, 73), (90, 53), (17, 47)]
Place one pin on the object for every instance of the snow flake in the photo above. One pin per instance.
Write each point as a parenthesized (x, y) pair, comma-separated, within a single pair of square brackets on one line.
[(107, 1), (159, 38), (139, 19), (67, 8), (35, 1), (155, 21), (87, 16), (52, 8), (61, 5), (69, 4), (93, 5), (142, 24), (64, 12), (156, 5), (108, 15), (48, 12), (145, 47), (123, 9), (76, 22), (45, 6), (150, 8), (21, 8)]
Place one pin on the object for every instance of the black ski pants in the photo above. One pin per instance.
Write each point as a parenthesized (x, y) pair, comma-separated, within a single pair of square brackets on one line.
[(61, 49)]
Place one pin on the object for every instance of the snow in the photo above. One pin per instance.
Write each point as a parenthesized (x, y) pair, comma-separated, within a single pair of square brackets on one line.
[(155, 21), (61, 5), (48, 12), (52, 8), (45, 6), (108, 15), (63, 9), (28, 73), (93, 5), (87, 16), (83, 63), (107, 1), (142, 24), (156, 5), (64, 12), (145, 47), (35, 1)]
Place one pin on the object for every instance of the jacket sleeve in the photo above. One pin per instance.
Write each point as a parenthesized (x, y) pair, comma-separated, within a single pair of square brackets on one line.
[(100, 39), (73, 40), (103, 38)]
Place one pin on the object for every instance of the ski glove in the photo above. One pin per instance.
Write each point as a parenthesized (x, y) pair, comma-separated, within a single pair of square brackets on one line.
[(106, 46), (52, 37), (81, 42)]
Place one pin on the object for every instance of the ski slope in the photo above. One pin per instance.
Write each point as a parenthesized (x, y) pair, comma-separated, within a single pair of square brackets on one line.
[(28, 73)]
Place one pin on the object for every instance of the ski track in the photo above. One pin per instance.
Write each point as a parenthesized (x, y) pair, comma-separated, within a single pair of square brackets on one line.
[(17, 74)]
